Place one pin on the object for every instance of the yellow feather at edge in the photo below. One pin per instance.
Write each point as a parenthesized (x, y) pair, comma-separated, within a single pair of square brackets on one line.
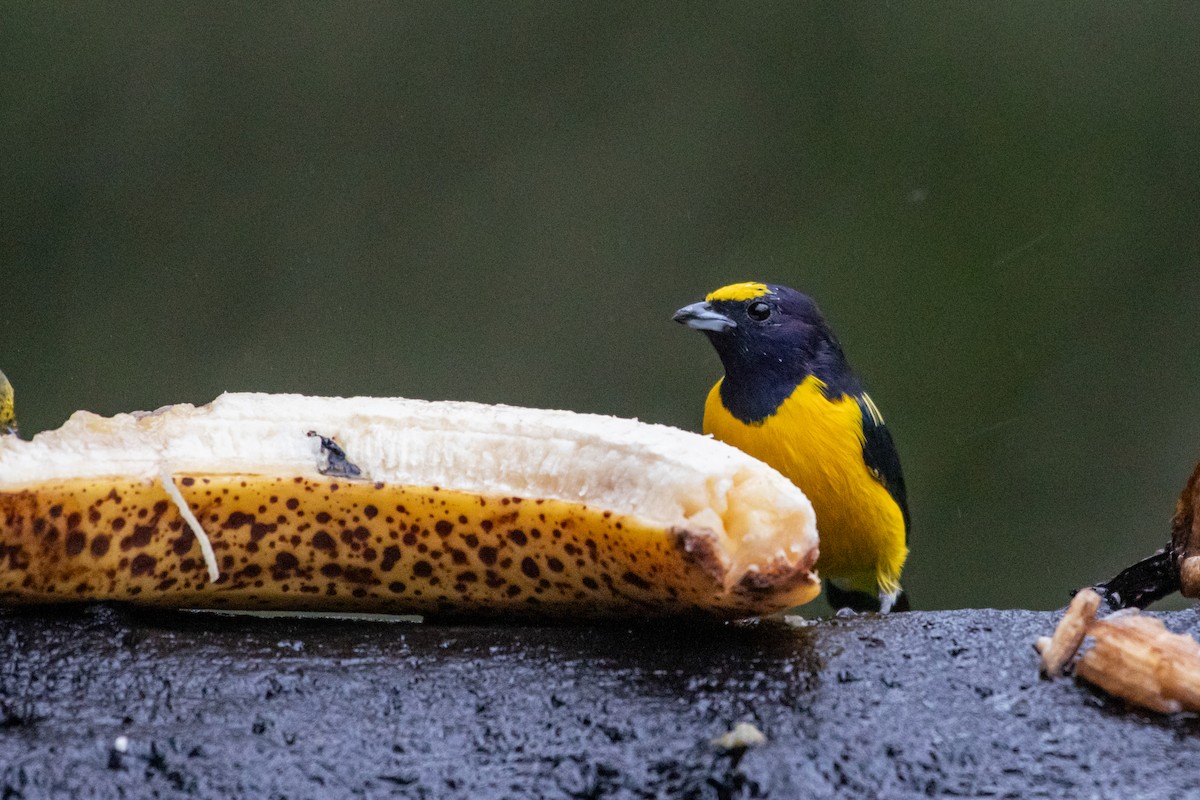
[(8, 417), (872, 409)]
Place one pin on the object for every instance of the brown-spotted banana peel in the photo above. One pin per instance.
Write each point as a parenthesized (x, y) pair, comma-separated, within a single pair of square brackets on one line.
[(456, 508)]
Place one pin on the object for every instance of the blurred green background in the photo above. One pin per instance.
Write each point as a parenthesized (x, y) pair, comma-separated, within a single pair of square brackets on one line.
[(996, 205)]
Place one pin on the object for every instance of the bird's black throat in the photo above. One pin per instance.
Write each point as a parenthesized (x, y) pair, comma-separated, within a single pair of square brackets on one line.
[(759, 377)]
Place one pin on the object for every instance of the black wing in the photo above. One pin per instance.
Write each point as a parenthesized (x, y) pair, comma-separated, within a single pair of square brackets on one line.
[(879, 453)]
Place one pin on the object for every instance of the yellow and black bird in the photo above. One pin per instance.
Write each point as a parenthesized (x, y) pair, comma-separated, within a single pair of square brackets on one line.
[(789, 398), (8, 416)]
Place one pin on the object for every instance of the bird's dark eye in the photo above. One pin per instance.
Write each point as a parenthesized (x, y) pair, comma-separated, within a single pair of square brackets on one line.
[(759, 311)]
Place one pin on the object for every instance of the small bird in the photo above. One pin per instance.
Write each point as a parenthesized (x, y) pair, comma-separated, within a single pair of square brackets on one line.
[(789, 398), (8, 416)]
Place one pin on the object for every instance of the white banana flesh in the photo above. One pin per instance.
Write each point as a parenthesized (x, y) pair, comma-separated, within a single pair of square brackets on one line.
[(456, 508)]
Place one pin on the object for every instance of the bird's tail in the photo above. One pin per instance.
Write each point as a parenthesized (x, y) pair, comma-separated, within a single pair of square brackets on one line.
[(862, 601)]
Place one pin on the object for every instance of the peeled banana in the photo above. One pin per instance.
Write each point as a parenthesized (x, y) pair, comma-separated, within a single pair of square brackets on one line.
[(291, 502)]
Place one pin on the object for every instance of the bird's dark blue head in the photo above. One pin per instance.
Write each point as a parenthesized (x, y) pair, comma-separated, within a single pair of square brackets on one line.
[(769, 339)]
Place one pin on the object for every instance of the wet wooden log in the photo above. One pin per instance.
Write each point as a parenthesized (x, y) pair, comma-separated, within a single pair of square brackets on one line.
[(104, 702)]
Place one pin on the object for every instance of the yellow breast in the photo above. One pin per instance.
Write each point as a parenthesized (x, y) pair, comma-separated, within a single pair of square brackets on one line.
[(818, 444)]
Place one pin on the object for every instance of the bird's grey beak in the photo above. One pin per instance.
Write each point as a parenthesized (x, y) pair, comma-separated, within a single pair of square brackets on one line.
[(702, 317)]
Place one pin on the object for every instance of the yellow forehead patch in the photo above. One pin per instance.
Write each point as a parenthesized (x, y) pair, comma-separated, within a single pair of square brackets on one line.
[(738, 292)]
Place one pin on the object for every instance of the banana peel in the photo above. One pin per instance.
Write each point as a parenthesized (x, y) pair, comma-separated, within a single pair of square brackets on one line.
[(291, 502)]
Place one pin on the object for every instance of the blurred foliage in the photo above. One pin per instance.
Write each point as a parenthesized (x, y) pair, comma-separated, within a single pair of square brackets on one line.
[(996, 204)]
